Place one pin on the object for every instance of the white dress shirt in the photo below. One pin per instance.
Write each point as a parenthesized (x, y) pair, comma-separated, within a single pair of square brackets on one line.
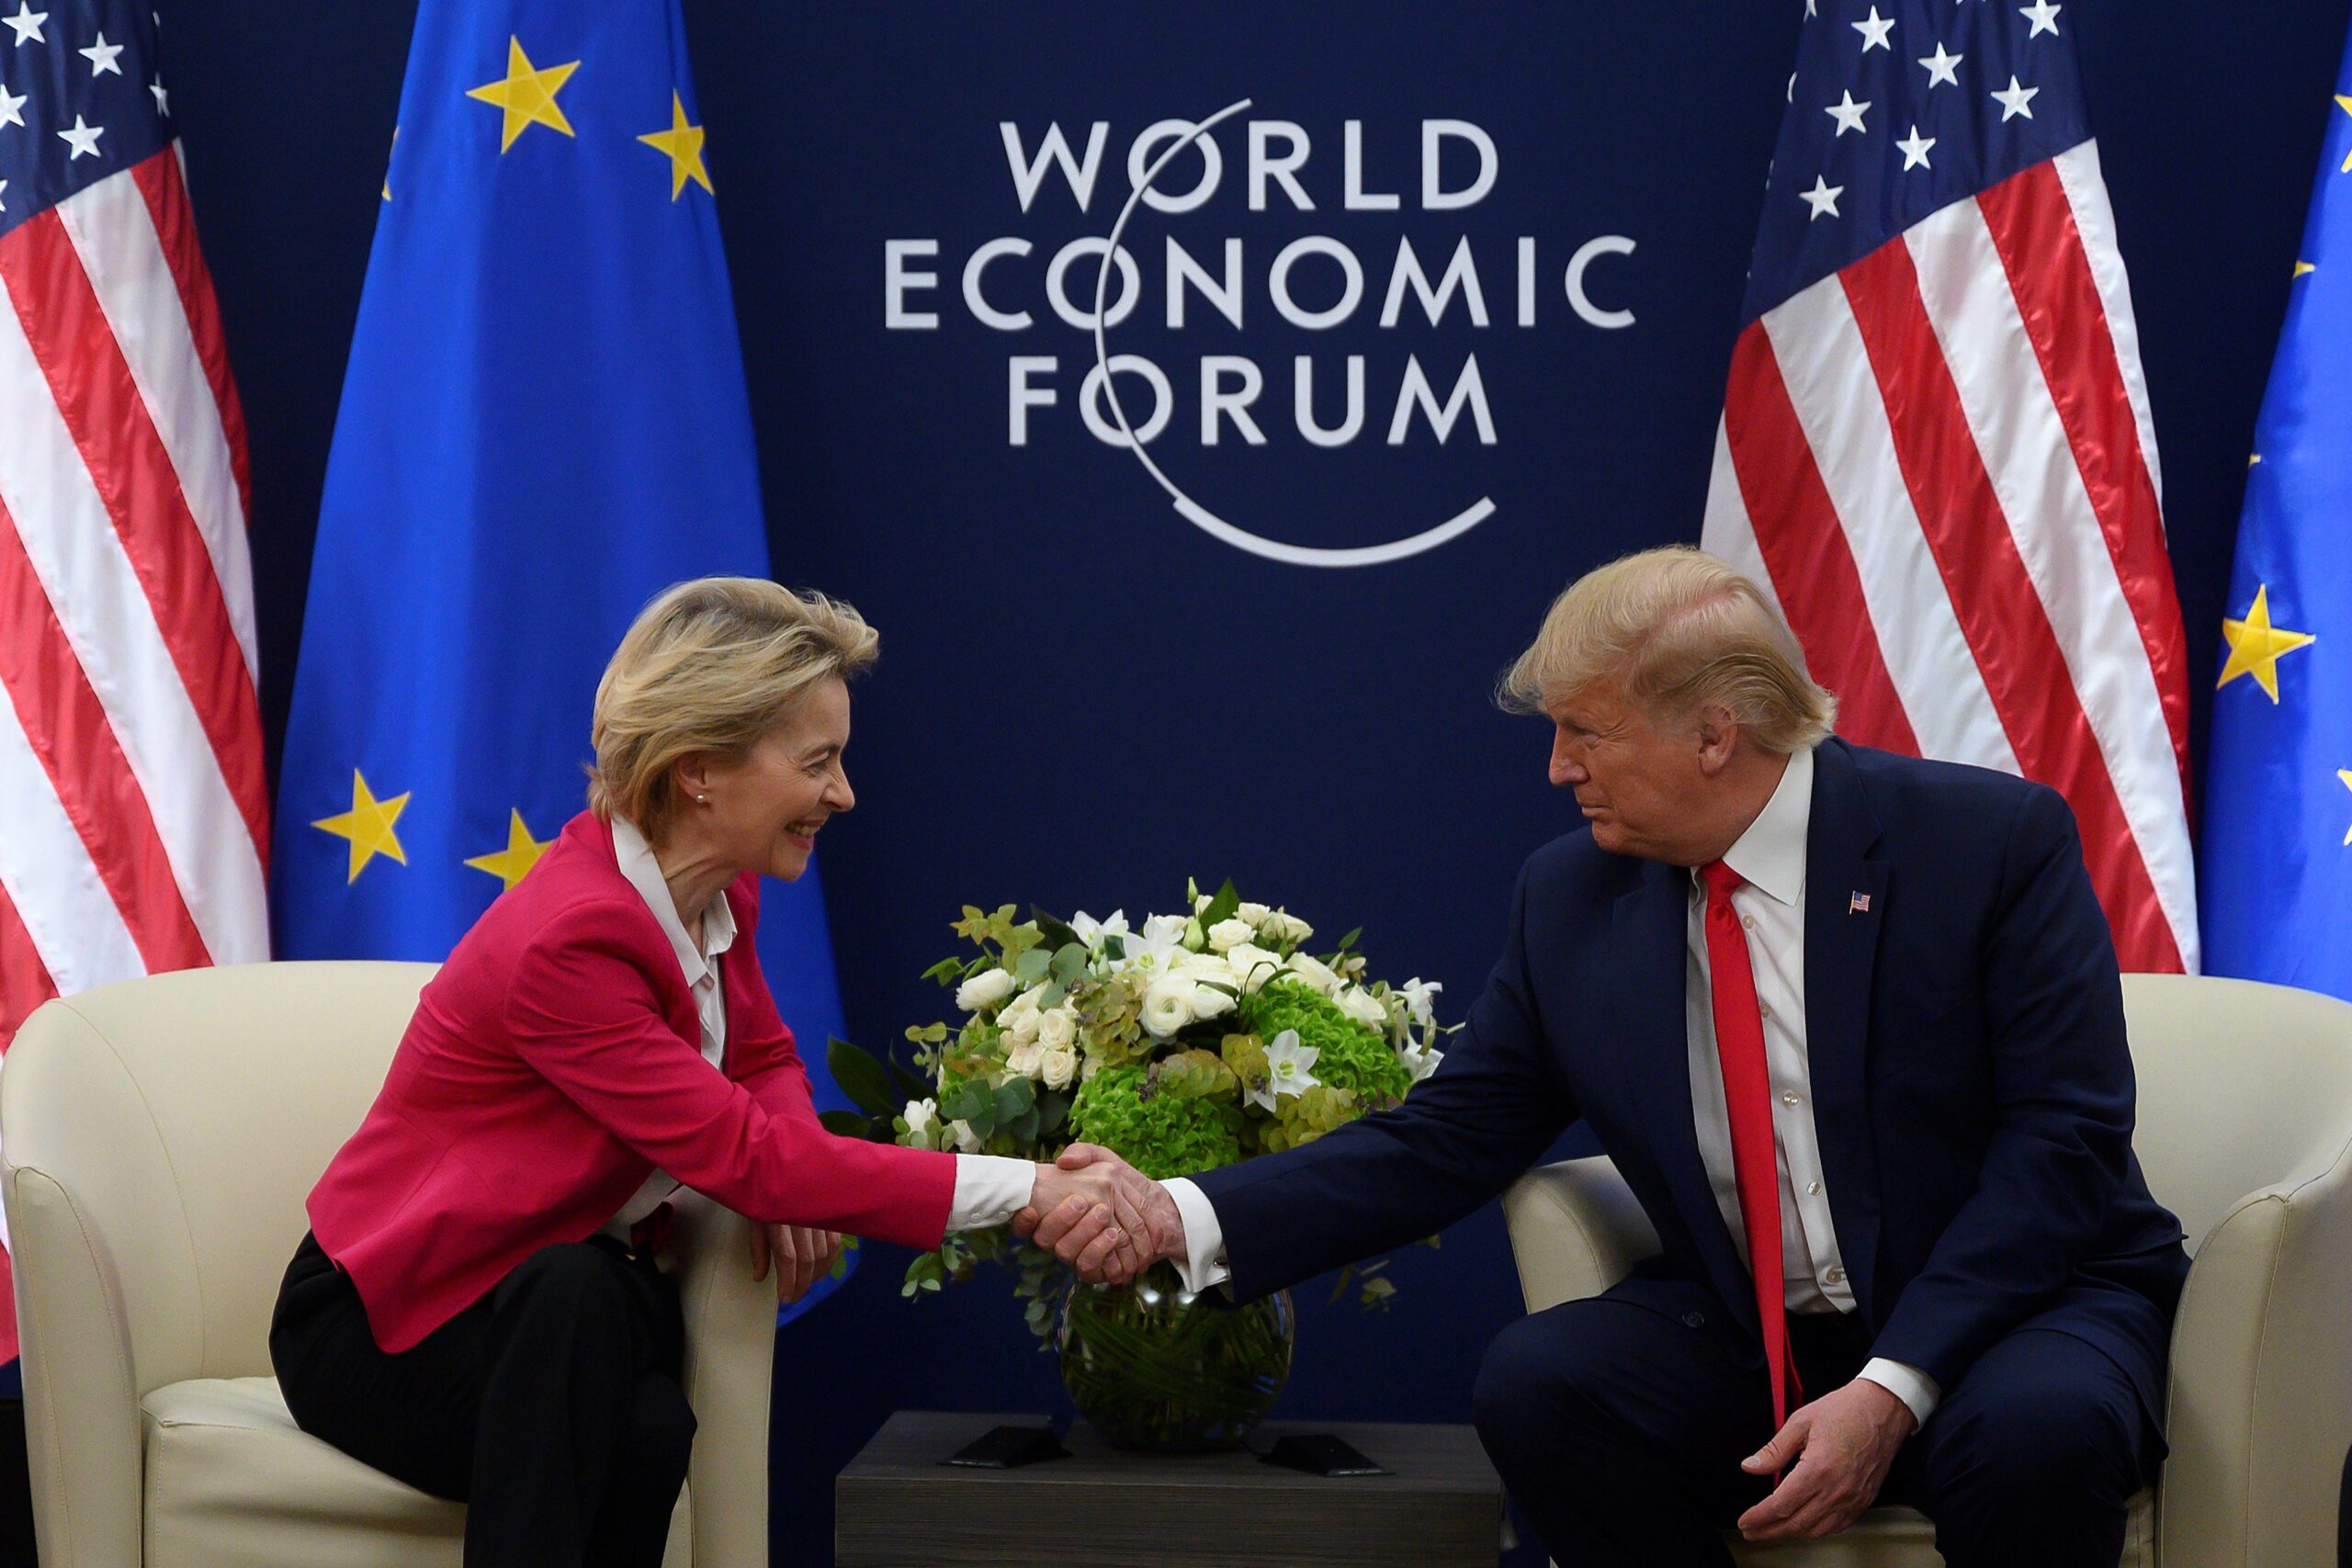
[(1770, 857), (989, 1189)]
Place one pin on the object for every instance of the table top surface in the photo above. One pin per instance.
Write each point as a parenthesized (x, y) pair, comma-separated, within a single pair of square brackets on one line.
[(1425, 1457)]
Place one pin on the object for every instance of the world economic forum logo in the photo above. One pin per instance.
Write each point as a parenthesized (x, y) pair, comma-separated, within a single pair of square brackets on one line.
[(1313, 282)]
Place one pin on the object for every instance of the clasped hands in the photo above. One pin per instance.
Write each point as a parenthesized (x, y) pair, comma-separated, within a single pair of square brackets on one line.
[(1101, 1216)]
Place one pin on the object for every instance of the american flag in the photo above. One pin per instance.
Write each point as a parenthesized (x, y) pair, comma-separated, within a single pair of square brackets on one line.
[(1936, 447), (133, 819)]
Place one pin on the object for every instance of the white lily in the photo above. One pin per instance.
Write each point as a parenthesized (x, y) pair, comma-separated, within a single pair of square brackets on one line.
[(1416, 993), (1420, 1060), (1161, 936), (1289, 1069), (1091, 931)]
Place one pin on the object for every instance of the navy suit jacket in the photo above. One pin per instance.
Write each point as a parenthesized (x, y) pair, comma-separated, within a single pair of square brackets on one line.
[(1971, 1087)]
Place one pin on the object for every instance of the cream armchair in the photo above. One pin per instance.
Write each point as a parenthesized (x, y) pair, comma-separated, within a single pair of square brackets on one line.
[(2245, 1133), (157, 1140)]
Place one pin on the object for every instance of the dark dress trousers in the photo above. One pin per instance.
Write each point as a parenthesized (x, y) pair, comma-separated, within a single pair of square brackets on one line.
[(1973, 1097)]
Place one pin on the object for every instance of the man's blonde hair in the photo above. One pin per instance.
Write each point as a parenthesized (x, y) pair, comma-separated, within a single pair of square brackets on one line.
[(1685, 632), (710, 665)]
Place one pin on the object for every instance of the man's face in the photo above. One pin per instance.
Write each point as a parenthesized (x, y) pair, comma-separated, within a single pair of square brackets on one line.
[(1642, 787)]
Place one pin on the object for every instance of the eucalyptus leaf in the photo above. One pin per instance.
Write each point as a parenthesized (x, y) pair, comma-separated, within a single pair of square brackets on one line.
[(1014, 1098), (967, 1101), (1030, 967)]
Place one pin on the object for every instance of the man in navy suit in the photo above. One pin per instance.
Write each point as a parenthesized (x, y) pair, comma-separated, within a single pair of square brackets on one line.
[(1854, 1012)]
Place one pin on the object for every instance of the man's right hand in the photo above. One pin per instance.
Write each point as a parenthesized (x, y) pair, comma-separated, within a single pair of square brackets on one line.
[(1122, 1199)]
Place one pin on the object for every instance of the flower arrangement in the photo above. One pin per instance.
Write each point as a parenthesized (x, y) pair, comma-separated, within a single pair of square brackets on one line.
[(1190, 1042)]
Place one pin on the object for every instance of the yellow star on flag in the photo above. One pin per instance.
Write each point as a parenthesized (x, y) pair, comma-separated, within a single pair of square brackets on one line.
[(683, 142), (2256, 647), (521, 853), (368, 826), (2345, 104), (2346, 774), (528, 95)]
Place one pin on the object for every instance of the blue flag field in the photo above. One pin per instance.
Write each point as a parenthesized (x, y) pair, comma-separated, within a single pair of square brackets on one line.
[(544, 424), (2278, 863)]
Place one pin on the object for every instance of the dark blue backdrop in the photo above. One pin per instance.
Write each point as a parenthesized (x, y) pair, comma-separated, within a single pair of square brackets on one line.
[(1085, 698)]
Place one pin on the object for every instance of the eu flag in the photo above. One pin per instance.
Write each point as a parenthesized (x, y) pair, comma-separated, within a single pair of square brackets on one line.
[(2278, 869), (544, 424)]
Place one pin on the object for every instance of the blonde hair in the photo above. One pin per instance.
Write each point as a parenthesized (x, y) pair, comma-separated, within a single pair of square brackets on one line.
[(710, 665), (1686, 632)]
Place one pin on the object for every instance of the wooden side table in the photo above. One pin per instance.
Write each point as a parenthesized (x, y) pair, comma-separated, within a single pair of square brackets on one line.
[(896, 1506)]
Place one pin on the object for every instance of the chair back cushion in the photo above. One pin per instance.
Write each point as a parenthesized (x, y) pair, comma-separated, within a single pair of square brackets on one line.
[(185, 1117), (2242, 1086)]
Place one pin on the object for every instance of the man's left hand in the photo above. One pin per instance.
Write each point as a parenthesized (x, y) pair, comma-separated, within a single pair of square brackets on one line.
[(1836, 1451)]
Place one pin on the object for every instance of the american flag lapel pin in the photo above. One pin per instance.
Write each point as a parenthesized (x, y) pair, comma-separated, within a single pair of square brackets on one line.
[(1858, 904)]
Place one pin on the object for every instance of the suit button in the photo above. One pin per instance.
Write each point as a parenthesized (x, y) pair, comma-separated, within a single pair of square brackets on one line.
[(1695, 1320)]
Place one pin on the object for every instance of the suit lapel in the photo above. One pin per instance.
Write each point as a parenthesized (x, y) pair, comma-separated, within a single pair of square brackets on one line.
[(1649, 956), (1845, 900)]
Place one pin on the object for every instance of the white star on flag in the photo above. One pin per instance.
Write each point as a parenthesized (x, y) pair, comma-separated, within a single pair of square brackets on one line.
[(2044, 16), (1915, 151), (1874, 31), (2014, 100), (4, 186), (1848, 115), (1823, 197), (27, 22), (101, 57), (12, 110), (82, 138), (163, 98), (1942, 67)]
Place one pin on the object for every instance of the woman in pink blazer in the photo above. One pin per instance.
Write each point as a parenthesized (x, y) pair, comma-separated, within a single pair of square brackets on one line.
[(479, 1308)]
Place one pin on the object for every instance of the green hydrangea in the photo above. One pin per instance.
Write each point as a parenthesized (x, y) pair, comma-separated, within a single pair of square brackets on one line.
[(1160, 1133), (1306, 1117), (1354, 1055)]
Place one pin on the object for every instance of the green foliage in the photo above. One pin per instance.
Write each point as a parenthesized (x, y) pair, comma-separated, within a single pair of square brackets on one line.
[(1196, 1073), (1303, 1118), (1160, 1135), (1353, 1056), (861, 1077)]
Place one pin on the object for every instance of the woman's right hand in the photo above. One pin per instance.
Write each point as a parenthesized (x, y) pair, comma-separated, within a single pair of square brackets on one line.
[(1101, 1232)]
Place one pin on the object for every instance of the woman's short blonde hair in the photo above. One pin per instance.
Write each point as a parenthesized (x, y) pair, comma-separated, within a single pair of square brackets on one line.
[(710, 665), (1685, 633)]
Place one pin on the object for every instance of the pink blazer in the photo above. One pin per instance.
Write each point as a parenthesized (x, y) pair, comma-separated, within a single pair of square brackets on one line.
[(551, 1065)]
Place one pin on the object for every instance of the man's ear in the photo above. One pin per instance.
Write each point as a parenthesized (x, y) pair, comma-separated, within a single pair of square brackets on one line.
[(1718, 734)]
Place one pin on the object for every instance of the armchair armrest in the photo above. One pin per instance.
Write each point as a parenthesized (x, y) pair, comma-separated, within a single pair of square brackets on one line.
[(2261, 1388), (1575, 1230), (730, 1367)]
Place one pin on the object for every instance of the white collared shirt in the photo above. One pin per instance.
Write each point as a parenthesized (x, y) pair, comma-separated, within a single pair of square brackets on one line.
[(1771, 859), (989, 1189)]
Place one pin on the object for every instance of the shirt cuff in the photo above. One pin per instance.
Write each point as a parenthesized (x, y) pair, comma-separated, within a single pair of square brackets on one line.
[(989, 1190), (1203, 1264), (1909, 1385)]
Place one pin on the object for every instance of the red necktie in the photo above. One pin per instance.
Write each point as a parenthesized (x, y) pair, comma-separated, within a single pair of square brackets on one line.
[(1747, 1096)]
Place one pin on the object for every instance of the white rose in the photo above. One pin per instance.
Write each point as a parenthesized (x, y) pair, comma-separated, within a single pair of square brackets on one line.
[(1252, 965), (1226, 935), (1209, 1002), (923, 1115), (1362, 1006), (1315, 972), (984, 989), (966, 1139), (1027, 1058), (1254, 913), (1057, 1029), (1168, 1005), (1019, 1018), (1060, 1067), (1282, 927)]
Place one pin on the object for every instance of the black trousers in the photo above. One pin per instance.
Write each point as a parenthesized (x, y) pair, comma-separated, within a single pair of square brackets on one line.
[(550, 1408), (1620, 1429)]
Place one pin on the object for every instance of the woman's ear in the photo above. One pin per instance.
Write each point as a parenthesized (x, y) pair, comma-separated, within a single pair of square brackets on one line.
[(692, 774)]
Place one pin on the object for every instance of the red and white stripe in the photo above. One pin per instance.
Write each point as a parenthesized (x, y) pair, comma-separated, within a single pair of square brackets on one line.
[(134, 825), (1939, 462)]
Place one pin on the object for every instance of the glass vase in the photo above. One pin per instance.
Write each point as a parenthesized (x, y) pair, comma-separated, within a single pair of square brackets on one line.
[(1155, 1367)]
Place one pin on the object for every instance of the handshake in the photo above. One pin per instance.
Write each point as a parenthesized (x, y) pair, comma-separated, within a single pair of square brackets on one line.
[(1101, 1216)]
